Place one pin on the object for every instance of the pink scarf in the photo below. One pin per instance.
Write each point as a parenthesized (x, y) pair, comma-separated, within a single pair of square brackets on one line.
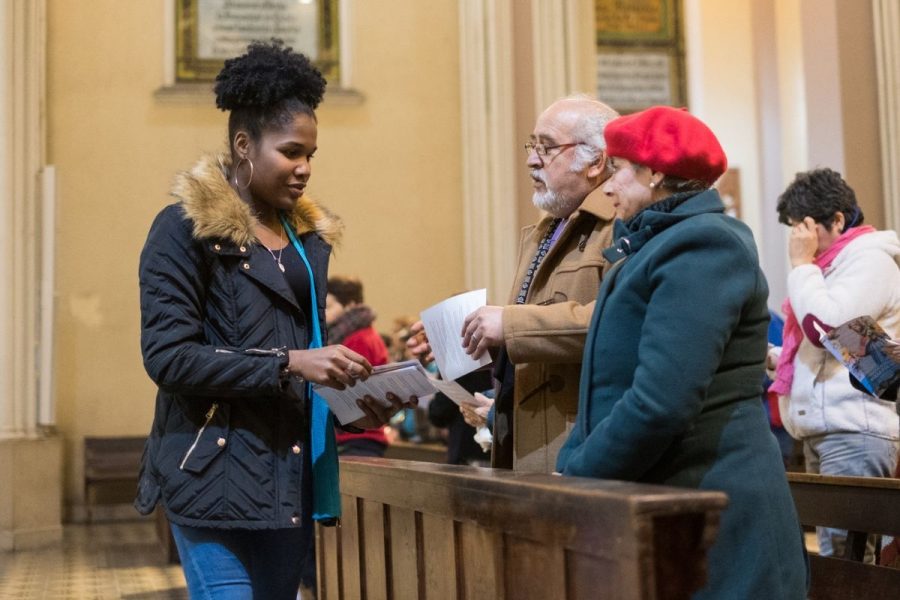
[(793, 333)]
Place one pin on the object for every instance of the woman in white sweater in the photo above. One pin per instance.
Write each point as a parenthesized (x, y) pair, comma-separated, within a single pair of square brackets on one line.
[(842, 269)]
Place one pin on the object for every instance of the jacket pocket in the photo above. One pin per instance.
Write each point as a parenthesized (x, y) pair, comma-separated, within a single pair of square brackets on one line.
[(577, 281), (572, 265), (210, 440)]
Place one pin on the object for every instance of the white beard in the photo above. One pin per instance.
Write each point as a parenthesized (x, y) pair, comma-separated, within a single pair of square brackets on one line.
[(551, 201)]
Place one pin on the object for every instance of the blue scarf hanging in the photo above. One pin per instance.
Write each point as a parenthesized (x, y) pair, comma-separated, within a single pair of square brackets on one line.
[(326, 487)]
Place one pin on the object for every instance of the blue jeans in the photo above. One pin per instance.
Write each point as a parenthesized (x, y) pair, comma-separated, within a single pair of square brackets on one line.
[(240, 564), (848, 454)]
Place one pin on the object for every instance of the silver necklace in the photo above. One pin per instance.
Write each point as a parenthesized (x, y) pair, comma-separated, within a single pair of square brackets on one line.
[(277, 259)]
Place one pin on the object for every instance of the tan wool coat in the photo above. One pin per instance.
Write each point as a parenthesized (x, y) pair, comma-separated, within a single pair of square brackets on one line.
[(545, 336)]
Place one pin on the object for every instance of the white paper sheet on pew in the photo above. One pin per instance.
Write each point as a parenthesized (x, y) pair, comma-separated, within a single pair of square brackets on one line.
[(404, 379), (443, 325), (455, 392)]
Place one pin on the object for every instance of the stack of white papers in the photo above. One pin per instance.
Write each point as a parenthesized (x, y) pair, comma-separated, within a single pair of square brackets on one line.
[(403, 379)]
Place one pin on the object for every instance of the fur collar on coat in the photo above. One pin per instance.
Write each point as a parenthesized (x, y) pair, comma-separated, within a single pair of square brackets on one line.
[(218, 212)]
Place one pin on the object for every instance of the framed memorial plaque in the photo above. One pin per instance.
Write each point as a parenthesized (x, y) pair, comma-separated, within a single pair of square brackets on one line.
[(209, 31), (640, 53)]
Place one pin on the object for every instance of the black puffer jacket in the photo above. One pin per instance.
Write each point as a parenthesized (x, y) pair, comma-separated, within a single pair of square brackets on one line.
[(228, 444)]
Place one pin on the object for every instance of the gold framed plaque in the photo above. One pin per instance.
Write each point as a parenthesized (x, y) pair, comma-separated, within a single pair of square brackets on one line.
[(636, 20), (640, 53), (207, 32)]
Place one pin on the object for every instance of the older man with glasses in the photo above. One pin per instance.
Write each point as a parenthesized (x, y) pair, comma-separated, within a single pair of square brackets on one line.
[(541, 333)]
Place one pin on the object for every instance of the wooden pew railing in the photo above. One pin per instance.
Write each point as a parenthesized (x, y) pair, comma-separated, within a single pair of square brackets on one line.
[(860, 505), (422, 530)]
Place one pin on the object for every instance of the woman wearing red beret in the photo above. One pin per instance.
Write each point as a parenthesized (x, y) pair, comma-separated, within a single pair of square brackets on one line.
[(674, 360)]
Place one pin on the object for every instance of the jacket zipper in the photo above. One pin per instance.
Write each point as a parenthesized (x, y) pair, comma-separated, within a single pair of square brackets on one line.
[(209, 416), (279, 352)]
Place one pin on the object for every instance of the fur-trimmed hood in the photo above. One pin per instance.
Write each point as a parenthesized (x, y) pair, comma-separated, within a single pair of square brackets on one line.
[(218, 212)]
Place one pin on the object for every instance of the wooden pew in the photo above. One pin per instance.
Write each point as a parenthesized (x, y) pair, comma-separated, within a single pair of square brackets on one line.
[(423, 530), (110, 461), (861, 505)]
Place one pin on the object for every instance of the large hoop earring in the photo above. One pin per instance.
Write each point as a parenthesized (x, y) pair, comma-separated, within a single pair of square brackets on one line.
[(249, 179)]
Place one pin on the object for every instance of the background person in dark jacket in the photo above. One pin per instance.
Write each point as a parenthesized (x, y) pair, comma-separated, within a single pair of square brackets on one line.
[(673, 363), (232, 280), (462, 449)]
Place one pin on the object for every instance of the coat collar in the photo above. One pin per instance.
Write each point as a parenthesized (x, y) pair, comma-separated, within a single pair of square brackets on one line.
[(218, 212), (630, 236), (595, 204)]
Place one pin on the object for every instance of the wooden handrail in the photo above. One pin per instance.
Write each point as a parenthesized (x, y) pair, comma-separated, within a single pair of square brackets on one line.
[(860, 505), (468, 532), (869, 504)]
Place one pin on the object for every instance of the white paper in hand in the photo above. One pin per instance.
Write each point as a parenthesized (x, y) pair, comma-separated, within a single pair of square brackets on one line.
[(443, 325), (403, 379), (455, 392)]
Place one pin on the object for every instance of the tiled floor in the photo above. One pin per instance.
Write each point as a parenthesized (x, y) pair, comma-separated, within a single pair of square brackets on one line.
[(101, 561)]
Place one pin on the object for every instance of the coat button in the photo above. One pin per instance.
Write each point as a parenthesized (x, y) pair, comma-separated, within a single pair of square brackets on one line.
[(296, 449), (243, 248), (220, 442), (246, 266), (295, 520), (217, 247)]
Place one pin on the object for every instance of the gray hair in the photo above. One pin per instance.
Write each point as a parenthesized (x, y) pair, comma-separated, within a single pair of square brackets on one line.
[(589, 130)]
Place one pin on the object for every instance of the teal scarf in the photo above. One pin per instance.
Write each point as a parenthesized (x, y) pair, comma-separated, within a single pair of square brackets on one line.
[(326, 487)]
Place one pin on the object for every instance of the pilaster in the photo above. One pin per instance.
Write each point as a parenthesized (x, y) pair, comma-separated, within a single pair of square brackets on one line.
[(488, 145), (886, 14)]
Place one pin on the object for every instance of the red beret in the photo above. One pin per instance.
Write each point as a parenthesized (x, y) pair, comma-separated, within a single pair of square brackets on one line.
[(668, 140)]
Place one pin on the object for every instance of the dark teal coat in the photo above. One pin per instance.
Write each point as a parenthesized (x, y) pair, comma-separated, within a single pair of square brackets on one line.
[(671, 382)]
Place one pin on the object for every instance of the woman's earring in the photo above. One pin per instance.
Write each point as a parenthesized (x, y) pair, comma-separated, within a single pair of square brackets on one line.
[(653, 184), (249, 179)]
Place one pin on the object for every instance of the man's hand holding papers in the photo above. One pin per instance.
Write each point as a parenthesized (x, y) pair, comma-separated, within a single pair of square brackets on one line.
[(443, 325)]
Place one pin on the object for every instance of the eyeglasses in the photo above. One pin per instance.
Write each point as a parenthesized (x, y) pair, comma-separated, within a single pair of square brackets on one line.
[(543, 151)]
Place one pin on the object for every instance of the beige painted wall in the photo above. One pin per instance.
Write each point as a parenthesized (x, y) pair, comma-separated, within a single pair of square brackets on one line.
[(390, 166)]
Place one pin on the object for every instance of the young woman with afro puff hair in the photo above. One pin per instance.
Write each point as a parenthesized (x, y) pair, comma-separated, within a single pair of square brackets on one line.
[(241, 454)]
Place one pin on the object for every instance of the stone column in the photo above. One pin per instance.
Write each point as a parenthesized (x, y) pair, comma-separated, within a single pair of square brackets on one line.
[(886, 14), (488, 147), (30, 459)]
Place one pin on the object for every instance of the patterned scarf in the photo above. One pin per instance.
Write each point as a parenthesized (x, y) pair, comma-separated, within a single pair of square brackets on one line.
[(543, 248)]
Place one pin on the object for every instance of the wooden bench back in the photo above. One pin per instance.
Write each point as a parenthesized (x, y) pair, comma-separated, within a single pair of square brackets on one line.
[(858, 504), (112, 458), (417, 530)]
